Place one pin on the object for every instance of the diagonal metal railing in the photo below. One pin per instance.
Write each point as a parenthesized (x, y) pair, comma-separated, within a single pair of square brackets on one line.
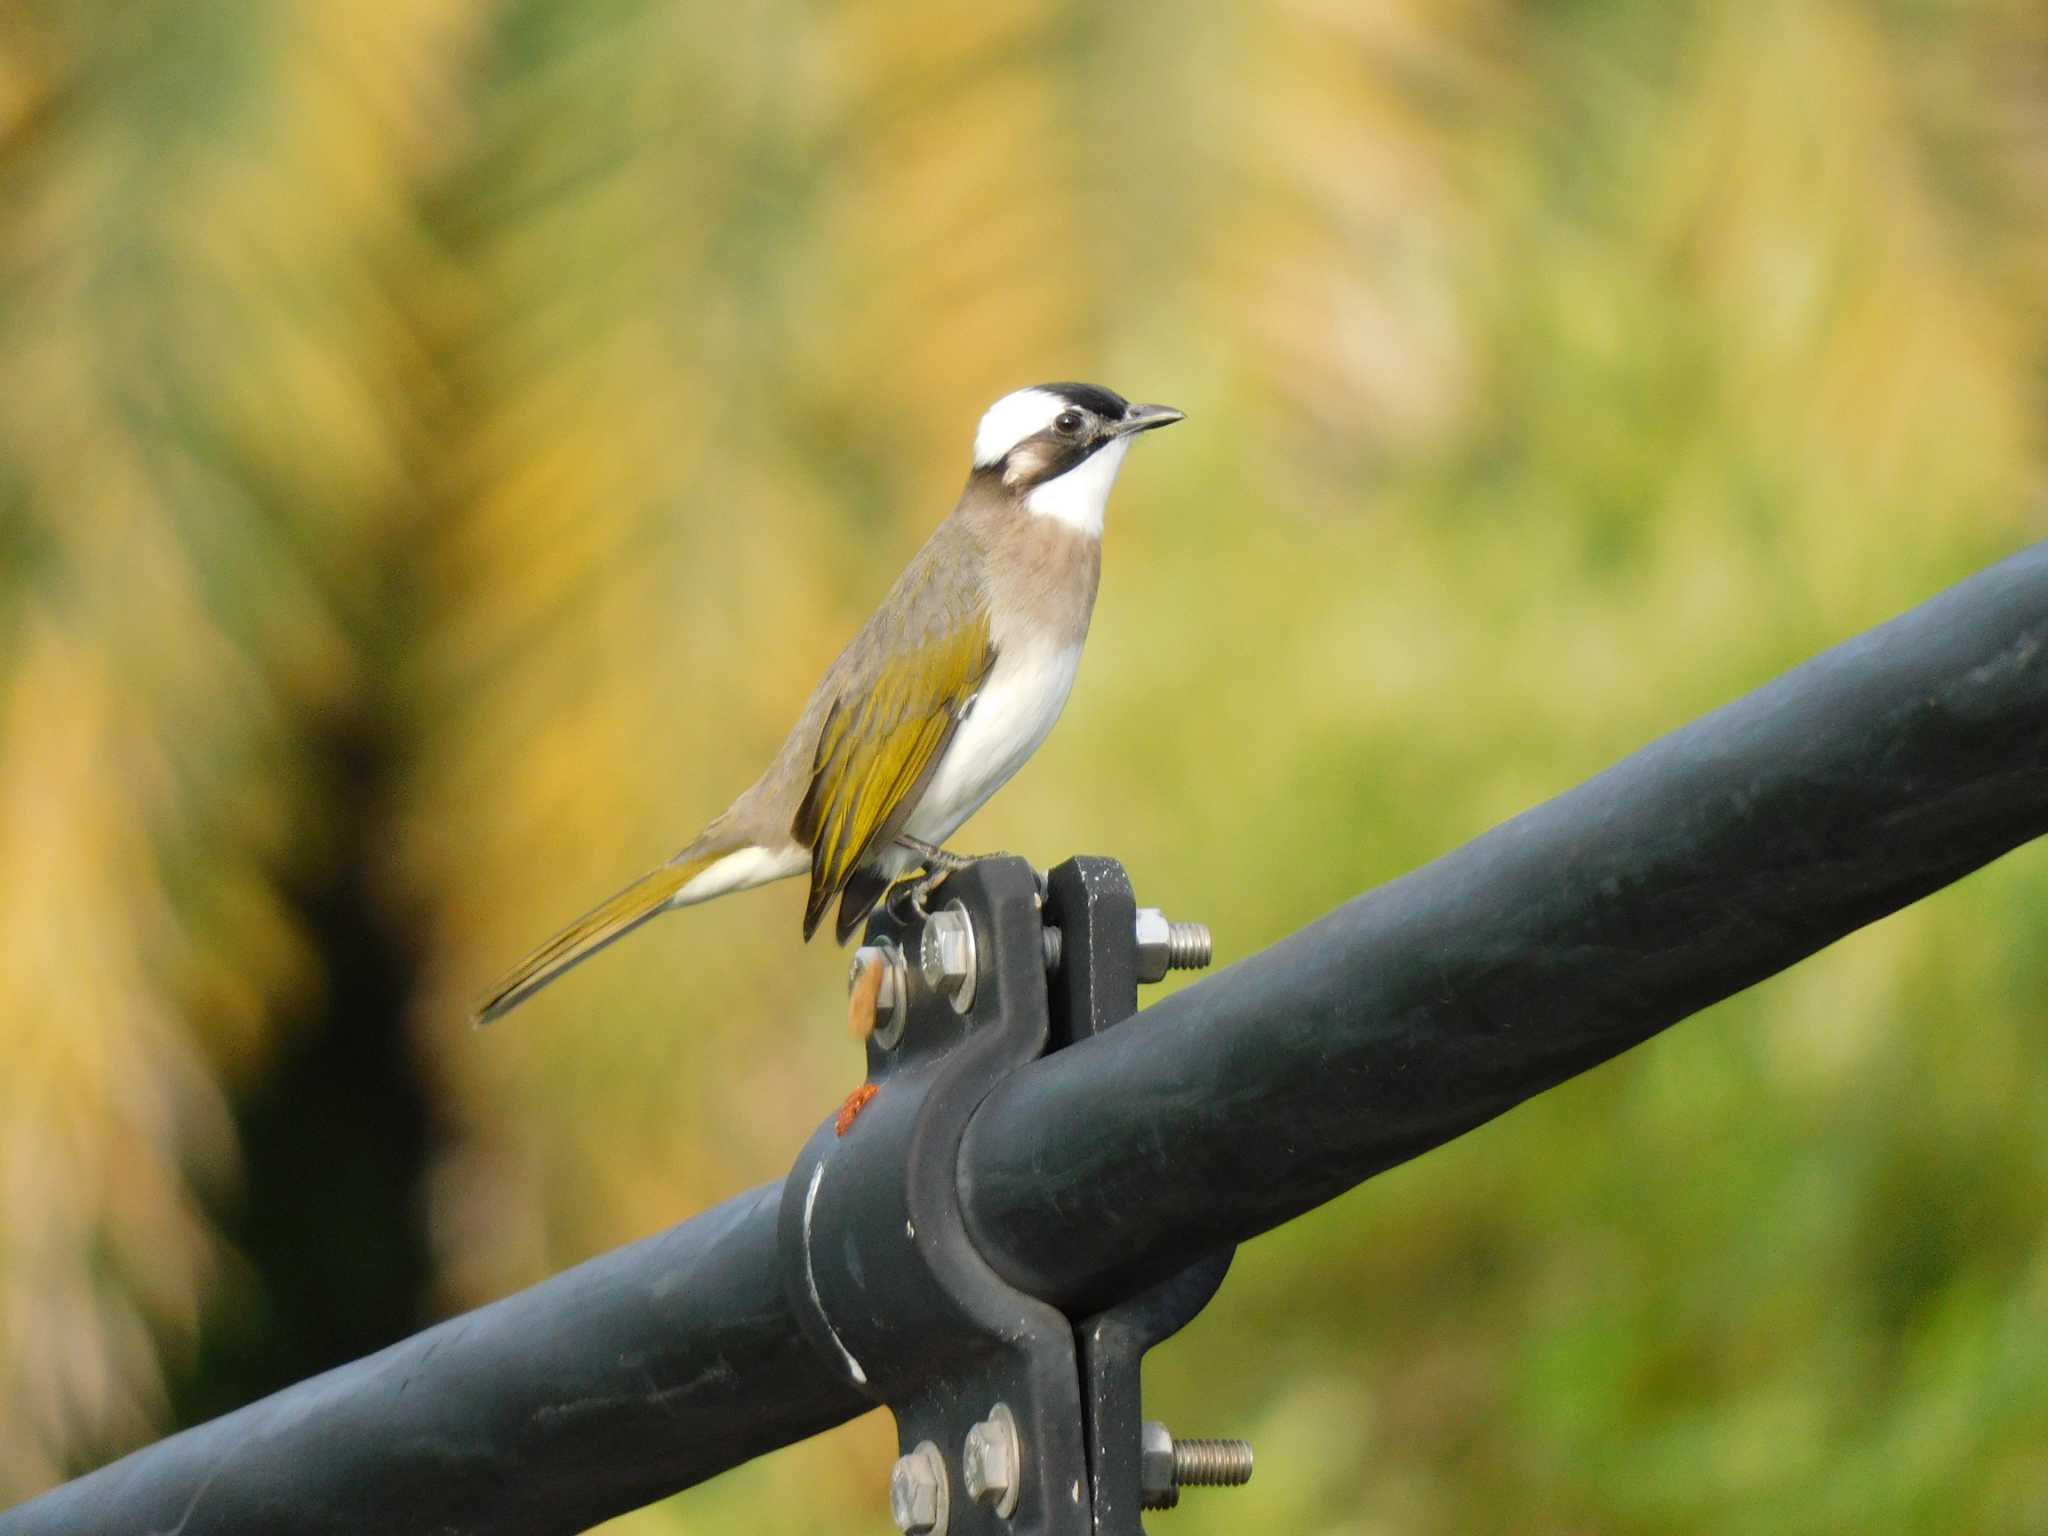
[(1855, 784)]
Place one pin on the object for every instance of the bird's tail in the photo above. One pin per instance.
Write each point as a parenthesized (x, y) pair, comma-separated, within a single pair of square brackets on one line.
[(611, 920)]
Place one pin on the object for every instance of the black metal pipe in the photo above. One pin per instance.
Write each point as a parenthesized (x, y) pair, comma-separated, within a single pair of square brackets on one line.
[(1874, 774), (1853, 785), (610, 1385)]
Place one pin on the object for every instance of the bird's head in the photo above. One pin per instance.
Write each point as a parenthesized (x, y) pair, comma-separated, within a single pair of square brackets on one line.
[(1057, 447)]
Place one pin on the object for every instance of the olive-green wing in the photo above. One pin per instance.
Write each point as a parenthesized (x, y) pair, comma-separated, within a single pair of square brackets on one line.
[(881, 742)]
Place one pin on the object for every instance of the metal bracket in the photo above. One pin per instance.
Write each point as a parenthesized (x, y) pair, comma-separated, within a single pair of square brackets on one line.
[(1090, 902), (879, 1267), (876, 1260)]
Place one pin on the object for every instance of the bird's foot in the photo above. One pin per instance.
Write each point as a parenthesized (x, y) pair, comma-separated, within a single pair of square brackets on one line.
[(938, 864), (911, 895), (941, 861)]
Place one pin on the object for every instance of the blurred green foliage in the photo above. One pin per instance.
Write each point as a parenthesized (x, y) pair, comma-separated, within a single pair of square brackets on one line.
[(442, 440)]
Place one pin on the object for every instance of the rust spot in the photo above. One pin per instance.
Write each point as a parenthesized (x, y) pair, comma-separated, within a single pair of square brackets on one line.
[(860, 1002), (856, 1101)]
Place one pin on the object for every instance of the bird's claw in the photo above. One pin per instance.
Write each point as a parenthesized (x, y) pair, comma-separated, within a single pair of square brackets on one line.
[(938, 863), (913, 894), (921, 890)]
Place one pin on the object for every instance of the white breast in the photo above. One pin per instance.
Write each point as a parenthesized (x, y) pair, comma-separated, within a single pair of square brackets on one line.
[(1015, 709)]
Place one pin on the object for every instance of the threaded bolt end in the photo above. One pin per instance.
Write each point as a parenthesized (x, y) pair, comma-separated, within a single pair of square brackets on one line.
[(1188, 948), (1212, 1463)]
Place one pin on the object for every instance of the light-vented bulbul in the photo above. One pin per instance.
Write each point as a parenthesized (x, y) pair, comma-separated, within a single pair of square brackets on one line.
[(950, 685)]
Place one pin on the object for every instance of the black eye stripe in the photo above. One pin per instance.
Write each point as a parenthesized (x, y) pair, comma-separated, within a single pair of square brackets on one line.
[(1106, 403), (1058, 456)]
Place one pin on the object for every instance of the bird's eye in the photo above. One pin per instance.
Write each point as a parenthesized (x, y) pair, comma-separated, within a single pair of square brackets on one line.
[(1067, 422)]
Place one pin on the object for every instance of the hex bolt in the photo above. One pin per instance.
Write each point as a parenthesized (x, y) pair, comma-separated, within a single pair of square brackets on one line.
[(990, 1462), (918, 1500), (1164, 946), (1158, 1488), (1167, 1465), (892, 994), (946, 955)]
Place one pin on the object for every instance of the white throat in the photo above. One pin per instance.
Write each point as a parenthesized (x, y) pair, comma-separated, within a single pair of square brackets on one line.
[(1078, 497)]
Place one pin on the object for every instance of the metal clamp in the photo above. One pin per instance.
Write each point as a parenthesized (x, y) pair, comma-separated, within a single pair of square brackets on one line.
[(1104, 948), (876, 1261), (1011, 1418)]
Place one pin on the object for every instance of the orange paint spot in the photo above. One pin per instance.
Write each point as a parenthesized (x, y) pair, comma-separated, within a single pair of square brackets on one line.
[(856, 1101), (860, 1004)]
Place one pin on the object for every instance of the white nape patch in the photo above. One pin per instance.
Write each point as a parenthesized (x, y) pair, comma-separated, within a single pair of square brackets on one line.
[(1010, 420), (741, 870), (1078, 497), (1011, 715)]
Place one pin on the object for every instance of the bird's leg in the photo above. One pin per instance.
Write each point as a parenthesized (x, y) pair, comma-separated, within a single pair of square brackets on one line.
[(938, 863), (937, 860), (909, 894), (935, 864)]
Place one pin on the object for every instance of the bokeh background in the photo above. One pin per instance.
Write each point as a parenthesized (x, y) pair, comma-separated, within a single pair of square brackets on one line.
[(441, 441)]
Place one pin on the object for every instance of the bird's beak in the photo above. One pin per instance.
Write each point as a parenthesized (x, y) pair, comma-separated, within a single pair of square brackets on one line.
[(1143, 418)]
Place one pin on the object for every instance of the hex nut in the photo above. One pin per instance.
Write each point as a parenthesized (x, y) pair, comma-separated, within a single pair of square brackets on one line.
[(946, 955), (989, 1462), (1158, 1488), (1162, 946), (1154, 932), (918, 1500)]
